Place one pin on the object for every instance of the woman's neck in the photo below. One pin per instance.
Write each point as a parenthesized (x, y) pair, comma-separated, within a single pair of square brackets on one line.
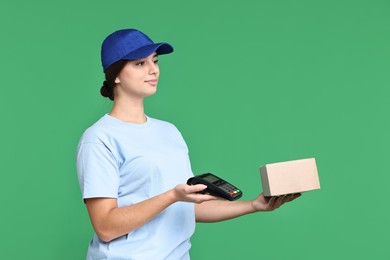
[(129, 111)]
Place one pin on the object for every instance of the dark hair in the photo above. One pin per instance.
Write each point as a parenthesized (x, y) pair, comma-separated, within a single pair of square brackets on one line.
[(107, 90)]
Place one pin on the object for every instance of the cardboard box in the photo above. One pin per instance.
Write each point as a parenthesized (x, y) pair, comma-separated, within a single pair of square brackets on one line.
[(289, 177)]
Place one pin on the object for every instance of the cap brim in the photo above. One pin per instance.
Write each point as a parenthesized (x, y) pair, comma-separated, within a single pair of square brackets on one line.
[(145, 51)]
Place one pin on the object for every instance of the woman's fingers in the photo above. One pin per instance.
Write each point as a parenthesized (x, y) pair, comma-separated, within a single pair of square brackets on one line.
[(192, 193), (194, 188), (277, 201)]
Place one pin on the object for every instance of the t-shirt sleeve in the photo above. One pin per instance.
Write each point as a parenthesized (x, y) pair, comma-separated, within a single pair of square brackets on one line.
[(97, 171)]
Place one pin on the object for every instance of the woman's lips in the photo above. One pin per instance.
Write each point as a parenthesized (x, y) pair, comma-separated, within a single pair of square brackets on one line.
[(152, 82)]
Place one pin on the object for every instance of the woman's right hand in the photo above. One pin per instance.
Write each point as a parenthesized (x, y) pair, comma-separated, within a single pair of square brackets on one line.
[(191, 193)]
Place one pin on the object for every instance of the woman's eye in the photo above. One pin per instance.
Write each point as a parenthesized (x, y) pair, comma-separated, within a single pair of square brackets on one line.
[(140, 63), (155, 61)]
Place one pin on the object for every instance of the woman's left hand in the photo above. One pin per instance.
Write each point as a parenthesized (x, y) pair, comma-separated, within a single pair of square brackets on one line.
[(262, 203)]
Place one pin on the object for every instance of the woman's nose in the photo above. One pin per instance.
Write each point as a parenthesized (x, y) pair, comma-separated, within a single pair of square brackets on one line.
[(153, 68)]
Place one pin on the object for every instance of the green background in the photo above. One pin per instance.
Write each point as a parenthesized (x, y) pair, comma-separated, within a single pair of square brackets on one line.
[(249, 83)]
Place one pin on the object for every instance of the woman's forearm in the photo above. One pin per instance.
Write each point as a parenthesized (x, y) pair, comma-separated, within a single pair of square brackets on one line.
[(220, 210), (110, 221)]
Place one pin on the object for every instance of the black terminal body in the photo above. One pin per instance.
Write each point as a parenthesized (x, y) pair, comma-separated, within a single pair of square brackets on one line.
[(216, 186)]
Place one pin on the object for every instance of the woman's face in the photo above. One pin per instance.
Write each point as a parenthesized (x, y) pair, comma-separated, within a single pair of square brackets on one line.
[(138, 78)]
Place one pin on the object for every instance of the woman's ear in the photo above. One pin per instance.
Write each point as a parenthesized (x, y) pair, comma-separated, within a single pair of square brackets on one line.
[(117, 81)]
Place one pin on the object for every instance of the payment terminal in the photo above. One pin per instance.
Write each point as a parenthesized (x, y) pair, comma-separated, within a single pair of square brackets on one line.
[(216, 186)]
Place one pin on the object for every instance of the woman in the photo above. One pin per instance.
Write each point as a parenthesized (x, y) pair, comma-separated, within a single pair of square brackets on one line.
[(132, 168)]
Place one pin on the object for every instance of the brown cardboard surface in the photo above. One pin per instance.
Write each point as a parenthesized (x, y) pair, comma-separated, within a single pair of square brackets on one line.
[(289, 177)]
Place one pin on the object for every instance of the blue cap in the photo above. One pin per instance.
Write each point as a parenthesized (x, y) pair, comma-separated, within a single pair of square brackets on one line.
[(130, 44)]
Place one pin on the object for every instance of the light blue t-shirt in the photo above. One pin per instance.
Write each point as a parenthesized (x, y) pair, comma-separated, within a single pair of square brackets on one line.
[(132, 163)]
